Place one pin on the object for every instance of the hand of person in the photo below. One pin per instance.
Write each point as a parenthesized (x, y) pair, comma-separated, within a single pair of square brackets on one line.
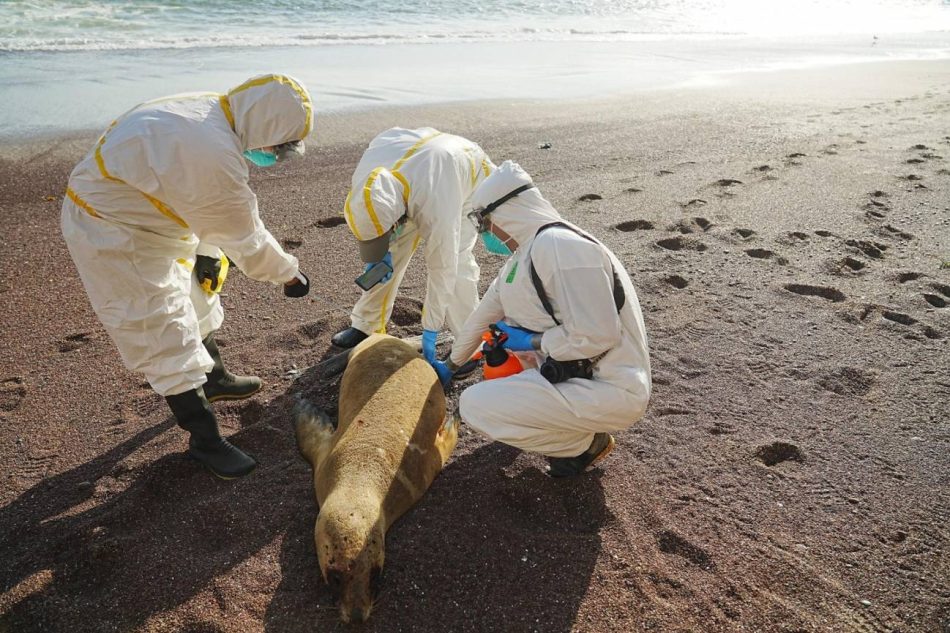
[(388, 258), (207, 270), (518, 339), (444, 373), (297, 287), (428, 345)]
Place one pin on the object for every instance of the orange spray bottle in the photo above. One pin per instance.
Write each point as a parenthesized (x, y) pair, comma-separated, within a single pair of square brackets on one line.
[(499, 362)]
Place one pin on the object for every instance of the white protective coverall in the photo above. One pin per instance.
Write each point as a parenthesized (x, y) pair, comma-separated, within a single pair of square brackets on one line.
[(427, 176), (164, 176), (525, 410)]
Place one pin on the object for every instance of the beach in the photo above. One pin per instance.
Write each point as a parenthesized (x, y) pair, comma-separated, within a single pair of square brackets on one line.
[(788, 233)]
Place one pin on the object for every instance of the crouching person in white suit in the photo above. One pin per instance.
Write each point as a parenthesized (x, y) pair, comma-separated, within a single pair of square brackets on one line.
[(571, 314)]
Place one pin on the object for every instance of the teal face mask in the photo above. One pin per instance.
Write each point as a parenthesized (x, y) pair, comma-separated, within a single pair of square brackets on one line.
[(494, 245), (261, 158)]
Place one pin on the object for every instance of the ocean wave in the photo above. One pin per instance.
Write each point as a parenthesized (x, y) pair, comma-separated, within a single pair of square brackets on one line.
[(67, 44)]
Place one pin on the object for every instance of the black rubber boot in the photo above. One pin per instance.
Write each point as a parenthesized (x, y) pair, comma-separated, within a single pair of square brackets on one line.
[(194, 414), (350, 337), (466, 369), (599, 448), (222, 384)]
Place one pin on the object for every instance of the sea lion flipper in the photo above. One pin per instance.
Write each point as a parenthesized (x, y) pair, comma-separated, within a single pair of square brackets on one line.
[(313, 428)]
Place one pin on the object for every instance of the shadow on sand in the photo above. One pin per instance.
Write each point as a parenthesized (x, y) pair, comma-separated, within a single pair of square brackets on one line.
[(495, 545)]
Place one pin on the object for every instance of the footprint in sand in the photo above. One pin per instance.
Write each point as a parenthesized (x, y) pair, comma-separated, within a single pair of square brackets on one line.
[(762, 253), (328, 223), (876, 205), (727, 182), (796, 237), (663, 172), (692, 225), (911, 177), (680, 244), (632, 190), (831, 150), (762, 169), (792, 159), (678, 282), (831, 294), (672, 543), (744, 233), (942, 289), (905, 277), (74, 341), (590, 197), (634, 225), (874, 250), (290, 245), (919, 146), (931, 156), (824, 233), (914, 161), (695, 202), (943, 172), (935, 301), (847, 381), (849, 265), (12, 392), (889, 231), (778, 452)]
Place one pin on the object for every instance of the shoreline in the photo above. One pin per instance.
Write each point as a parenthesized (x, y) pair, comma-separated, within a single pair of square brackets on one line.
[(822, 82), (53, 93)]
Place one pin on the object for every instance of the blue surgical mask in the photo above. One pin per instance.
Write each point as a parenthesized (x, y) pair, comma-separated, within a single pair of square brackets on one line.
[(494, 245), (261, 158)]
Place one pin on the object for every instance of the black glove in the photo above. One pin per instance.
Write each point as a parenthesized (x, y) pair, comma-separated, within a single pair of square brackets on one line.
[(298, 289), (207, 270)]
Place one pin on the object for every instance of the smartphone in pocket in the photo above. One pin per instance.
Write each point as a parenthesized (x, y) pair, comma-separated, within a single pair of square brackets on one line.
[(374, 275)]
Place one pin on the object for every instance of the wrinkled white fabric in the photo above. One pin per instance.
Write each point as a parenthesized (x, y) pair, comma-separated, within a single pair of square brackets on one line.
[(428, 176), (166, 181), (526, 410)]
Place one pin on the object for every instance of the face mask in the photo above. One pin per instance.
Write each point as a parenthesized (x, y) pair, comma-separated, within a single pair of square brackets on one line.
[(494, 245), (260, 158)]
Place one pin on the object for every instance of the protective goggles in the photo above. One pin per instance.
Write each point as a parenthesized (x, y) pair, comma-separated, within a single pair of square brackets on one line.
[(290, 149), (479, 216)]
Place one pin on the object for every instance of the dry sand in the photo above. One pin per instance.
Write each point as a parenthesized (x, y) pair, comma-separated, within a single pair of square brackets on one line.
[(789, 236)]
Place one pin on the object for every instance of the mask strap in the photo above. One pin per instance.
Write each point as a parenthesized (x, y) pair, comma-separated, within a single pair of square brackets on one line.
[(502, 200)]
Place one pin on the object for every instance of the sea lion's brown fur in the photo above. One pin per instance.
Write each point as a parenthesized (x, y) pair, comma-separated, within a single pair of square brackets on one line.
[(389, 445)]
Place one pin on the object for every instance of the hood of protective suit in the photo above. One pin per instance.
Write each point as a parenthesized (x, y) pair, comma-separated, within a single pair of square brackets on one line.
[(521, 216), (373, 209), (269, 110)]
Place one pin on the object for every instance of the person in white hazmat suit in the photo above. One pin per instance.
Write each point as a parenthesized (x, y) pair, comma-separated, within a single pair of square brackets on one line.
[(146, 217), (577, 329), (415, 186)]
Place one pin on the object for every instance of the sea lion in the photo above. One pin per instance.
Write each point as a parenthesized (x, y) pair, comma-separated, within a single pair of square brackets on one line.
[(392, 439)]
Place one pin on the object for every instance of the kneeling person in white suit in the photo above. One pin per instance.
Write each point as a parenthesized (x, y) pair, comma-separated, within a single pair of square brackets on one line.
[(576, 327)]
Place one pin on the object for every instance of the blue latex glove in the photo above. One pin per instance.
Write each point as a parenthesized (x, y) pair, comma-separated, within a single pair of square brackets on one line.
[(428, 345), (445, 374), (519, 339), (388, 258)]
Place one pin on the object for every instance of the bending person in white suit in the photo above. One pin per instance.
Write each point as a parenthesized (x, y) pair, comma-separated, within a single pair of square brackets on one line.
[(415, 186), (146, 217)]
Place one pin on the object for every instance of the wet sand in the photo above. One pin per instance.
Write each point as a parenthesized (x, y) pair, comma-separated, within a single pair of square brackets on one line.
[(789, 237)]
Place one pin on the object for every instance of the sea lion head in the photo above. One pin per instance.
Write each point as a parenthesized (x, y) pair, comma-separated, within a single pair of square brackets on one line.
[(351, 550)]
